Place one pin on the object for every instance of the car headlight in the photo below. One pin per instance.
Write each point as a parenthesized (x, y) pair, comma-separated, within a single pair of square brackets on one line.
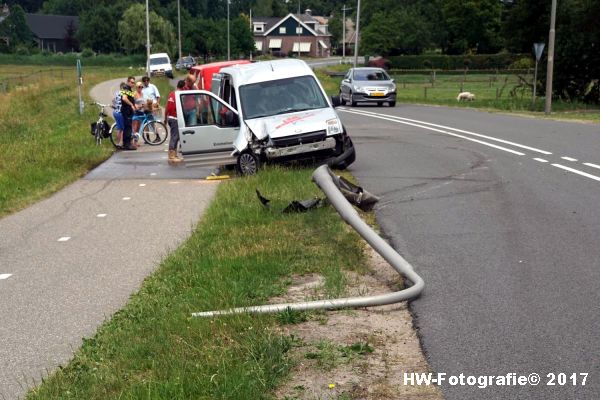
[(393, 88), (357, 88), (334, 127)]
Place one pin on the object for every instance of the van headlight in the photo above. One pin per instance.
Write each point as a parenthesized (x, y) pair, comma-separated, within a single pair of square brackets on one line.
[(334, 127)]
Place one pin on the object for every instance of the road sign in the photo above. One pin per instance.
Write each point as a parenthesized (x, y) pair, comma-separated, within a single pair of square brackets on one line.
[(538, 48)]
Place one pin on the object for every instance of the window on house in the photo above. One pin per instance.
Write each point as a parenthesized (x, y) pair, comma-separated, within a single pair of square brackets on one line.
[(299, 30), (282, 30), (258, 28)]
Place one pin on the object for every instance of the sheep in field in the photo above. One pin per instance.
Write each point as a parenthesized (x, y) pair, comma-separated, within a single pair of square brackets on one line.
[(466, 96)]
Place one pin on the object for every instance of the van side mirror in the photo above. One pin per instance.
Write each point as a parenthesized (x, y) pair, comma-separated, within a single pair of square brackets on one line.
[(335, 101)]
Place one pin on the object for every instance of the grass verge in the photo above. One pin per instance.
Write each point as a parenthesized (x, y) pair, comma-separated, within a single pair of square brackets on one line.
[(46, 143), (418, 89), (241, 254)]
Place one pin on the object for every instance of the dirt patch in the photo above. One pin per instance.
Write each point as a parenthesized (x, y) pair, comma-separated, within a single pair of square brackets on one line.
[(355, 354)]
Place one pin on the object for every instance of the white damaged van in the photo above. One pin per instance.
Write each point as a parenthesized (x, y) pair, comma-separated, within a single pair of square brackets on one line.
[(271, 111)]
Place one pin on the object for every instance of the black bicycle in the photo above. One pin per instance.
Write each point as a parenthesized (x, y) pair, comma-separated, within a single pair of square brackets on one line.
[(100, 129)]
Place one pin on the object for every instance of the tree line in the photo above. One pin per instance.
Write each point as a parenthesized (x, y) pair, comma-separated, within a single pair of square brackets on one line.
[(388, 27)]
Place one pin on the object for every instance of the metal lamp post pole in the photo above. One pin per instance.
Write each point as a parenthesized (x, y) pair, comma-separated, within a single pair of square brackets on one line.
[(228, 48), (356, 34), (550, 70), (344, 33), (147, 38), (179, 26)]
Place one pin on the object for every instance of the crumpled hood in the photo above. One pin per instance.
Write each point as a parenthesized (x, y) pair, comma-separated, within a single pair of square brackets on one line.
[(291, 124)]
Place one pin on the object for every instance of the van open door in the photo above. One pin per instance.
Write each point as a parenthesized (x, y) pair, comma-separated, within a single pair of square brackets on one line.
[(207, 128)]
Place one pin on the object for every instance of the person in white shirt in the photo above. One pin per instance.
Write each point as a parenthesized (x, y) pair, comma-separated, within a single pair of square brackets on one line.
[(150, 91)]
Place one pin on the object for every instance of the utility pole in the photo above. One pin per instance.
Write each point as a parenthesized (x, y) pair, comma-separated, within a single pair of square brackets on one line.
[(179, 27), (550, 70), (344, 33), (356, 34), (228, 47), (147, 39)]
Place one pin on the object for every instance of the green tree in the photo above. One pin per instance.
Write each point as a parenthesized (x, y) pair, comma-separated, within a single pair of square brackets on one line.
[(66, 7), (242, 42), (472, 26), (401, 31), (98, 30), (16, 29), (132, 31)]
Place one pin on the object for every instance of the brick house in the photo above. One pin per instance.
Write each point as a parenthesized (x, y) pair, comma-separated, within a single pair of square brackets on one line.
[(302, 34)]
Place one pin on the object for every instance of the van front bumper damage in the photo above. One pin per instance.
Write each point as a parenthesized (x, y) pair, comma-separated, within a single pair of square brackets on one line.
[(277, 152)]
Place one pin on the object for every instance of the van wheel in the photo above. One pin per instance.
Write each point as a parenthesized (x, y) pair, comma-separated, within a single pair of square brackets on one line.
[(342, 101), (352, 100), (247, 163)]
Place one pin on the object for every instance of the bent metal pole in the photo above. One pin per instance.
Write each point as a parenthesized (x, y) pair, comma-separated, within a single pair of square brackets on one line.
[(323, 177)]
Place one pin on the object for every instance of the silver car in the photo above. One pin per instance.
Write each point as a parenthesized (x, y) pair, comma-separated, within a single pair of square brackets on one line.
[(372, 85)]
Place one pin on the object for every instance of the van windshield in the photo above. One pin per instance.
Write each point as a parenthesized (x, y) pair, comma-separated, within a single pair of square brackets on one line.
[(159, 60), (281, 96)]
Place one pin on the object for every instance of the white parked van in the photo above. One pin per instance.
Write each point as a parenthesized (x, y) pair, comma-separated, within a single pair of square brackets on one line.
[(262, 112), (159, 64)]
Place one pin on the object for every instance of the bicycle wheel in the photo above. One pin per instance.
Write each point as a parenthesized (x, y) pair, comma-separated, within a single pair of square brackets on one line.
[(98, 133), (155, 133), (113, 136)]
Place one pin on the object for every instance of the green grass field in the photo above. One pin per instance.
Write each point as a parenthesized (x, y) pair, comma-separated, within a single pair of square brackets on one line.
[(46, 143), (241, 254), (494, 92)]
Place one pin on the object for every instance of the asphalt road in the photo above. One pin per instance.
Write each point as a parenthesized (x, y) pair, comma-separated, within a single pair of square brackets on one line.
[(504, 230)]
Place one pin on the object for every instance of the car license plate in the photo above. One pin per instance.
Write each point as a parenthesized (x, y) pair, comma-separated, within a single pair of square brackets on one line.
[(378, 94)]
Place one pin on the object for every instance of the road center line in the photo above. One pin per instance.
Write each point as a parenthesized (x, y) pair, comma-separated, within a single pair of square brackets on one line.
[(569, 159), (540, 160), (578, 172), (592, 165), (461, 131), (5, 276), (373, 115)]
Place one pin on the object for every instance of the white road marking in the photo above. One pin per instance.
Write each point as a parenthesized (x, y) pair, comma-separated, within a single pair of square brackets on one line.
[(101, 215), (458, 130), (592, 165), (64, 238), (126, 198), (578, 172), (438, 130), (142, 184), (569, 159), (540, 160), (5, 276)]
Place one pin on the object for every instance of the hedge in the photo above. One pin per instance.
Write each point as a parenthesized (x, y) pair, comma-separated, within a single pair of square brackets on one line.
[(444, 62), (69, 59)]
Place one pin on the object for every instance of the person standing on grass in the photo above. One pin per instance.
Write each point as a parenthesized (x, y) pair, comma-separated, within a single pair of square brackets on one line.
[(171, 120), (127, 110)]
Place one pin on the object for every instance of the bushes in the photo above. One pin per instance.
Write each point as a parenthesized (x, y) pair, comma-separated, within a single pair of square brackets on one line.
[(447, 62), (87, 59)]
